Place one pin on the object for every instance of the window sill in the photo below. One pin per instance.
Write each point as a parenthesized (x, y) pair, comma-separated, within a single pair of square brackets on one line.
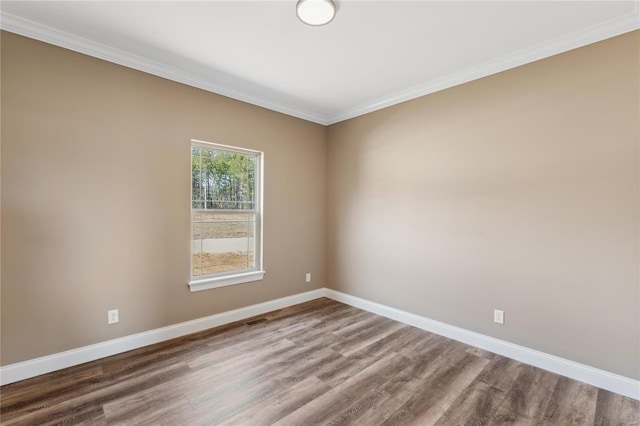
[(206, 284)]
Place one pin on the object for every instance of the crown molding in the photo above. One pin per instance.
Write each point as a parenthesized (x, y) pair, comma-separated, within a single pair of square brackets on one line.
[(602, 31), (34, 30)]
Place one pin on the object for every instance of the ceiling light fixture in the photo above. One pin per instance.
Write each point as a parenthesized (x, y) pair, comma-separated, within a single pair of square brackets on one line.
[(316, 12)]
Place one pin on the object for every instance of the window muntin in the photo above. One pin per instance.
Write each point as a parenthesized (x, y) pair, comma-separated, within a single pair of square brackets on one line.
[(225, 214)]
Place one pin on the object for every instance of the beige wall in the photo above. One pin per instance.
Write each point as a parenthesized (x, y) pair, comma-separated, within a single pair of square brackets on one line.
[(519, 192), (95, 199)]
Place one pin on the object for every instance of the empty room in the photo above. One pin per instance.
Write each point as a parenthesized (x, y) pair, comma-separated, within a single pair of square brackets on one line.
[(312, 212)]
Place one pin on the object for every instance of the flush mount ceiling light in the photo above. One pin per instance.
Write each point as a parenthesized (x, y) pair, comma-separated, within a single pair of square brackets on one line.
[(316, 12)]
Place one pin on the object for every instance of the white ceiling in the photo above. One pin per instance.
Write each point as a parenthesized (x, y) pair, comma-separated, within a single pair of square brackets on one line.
[(374, 54)]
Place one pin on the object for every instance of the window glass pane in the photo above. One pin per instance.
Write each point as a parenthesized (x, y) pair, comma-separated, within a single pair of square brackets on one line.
[(196, 181), (223, 241), (223, 180), (223, 210), (231, 225)]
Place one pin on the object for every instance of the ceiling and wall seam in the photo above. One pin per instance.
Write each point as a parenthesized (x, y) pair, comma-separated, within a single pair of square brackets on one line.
[(594, 34), (598, 32), (34, 30)]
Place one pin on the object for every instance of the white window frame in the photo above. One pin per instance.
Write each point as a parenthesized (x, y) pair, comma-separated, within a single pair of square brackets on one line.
[(222, 279)]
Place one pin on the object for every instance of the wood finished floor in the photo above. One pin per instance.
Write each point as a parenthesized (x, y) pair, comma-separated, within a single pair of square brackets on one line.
[(320, 362)]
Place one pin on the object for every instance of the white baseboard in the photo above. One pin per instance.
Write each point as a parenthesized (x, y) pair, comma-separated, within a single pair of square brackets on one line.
[(564, 367), (593, 376), (46, 364)]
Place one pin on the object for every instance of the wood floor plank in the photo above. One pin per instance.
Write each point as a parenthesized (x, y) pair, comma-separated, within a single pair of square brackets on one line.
[(257, 334), (353, 414), (342, 369), (403, 385), (222, 383), (279, 322), (361, 326), (481, 352), (219, 405), (359, 341), (501, 373), (320, 362), (417, 345), (43, 393), (612, 409), (182, 414), (332, 403), (221, 359), (148, 356), (315, 308), (308, 367), (572, 403), (145, 406), (90, 405), (379, 412), (70, 415), (281, 371), (277, 406), (439, 391), (476, 406), (528, 397), (216, 408), (389, 343), (426, 365), (327, 326)]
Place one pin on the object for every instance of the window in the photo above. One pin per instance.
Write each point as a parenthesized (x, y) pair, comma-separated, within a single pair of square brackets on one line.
[(226, 216)]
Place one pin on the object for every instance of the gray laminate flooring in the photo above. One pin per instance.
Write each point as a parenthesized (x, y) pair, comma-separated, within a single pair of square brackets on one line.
[(317, 363)]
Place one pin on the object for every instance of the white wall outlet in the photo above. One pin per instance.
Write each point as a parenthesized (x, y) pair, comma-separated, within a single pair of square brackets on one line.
[(498, 316), (308, 277), (112, 316)]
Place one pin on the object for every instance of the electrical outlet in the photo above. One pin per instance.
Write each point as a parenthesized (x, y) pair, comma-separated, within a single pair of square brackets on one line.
[(112, 316), (498, 316), (308, 277)]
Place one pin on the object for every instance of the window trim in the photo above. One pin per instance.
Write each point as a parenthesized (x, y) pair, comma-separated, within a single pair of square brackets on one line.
[(223, 279)]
